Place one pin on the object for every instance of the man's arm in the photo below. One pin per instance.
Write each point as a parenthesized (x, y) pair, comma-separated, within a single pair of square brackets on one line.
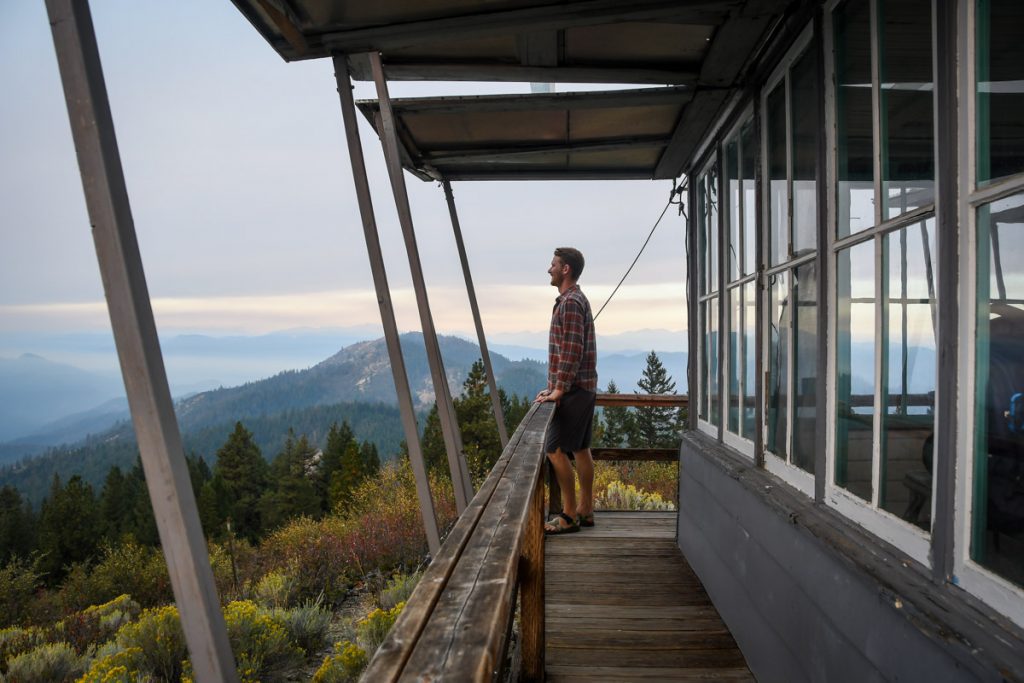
[(570, 346)]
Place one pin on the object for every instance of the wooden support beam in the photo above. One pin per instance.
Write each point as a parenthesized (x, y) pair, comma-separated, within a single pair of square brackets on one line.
[(485, 356), (552, 16), (462, 484), (531, 588), (138, 347), (398, 70), (387, 312), (645, 400), (440, 158)]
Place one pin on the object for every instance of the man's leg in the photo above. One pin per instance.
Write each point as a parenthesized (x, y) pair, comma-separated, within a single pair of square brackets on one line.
[(566, 482), (585, 470)]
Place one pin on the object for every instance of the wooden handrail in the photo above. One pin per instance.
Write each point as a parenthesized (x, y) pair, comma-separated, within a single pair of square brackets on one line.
[(644, 400), (456, 622)]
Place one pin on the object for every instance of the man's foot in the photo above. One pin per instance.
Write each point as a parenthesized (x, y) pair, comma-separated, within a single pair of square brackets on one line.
[(585, 519), (560, 524)]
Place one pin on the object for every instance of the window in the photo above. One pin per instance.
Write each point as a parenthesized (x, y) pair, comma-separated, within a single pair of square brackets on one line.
[(791, 129), (708, 241), (994, 476), (883, 254), (740, 290)]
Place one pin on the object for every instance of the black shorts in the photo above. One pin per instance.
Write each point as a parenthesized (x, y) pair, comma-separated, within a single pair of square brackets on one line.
[(573, 422)]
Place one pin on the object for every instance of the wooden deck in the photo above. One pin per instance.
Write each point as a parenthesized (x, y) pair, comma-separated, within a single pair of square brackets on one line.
[(622, 604)]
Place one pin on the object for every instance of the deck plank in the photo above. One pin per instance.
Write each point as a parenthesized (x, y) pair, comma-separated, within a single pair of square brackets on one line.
[(622, 604)]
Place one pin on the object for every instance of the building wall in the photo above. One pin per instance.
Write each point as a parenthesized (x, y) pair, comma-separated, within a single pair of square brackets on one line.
[(810, 597)]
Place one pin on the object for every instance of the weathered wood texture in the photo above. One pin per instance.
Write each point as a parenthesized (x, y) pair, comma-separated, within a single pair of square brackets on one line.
[(643, 400), (455, 623), (622, 604), (636, 454)]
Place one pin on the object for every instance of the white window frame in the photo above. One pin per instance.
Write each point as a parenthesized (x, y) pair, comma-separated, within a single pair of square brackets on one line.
[(998, 592), (780, 467), (907, 537), (706, 426), (740, 442)]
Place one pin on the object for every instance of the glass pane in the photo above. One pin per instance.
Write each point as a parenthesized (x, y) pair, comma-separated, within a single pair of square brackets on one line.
[(778, 202), (908, 420), (735, 357), (734, 214), (855, 367), (779, 334), (997, 538), (1000, 89), (855, 198), (702, 411), (702, 235), (711, 211), (748, 156), (749, 363), (805, 366), (712, 351), (908, 157), (804, 108)]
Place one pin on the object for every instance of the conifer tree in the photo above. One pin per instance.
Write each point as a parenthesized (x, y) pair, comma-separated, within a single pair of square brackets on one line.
[(339, 439), (16, 526), (370, 458), (656, 427), (241, 474), (69, 529), (293, 492), (117, 504), (619, 423), (345, 479)]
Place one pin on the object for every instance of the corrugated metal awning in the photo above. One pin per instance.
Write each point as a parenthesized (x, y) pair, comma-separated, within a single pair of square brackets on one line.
[(609, 134)]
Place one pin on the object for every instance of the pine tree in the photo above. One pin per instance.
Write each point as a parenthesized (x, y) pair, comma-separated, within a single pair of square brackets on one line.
[(293, 492), (116, 504), (434, 454), (241, 473), (339, 439), (619, 423), (656, 427), (69, 529), (475, 413), (345, 479), (16, 526), (370, 458)]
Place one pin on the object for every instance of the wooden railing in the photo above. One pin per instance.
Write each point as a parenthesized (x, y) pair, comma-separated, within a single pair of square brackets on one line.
[(457, 624)]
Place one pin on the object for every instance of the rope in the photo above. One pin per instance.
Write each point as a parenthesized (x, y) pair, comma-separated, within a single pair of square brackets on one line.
[(671, 200)]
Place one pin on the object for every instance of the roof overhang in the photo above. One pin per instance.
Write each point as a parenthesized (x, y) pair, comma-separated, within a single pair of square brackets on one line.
[(703, 46)]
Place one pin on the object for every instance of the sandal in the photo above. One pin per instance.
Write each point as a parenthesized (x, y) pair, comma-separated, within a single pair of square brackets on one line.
[(585, 520), (571, 525)]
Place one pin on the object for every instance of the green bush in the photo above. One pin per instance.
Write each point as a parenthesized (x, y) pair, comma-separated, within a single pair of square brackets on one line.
[(158, 635), (128, 567), (260, 642), (619, 496), (276, 589), (306, 625), (398, 589), (49, 663), (18, 582), (344, 666), (16, 640), (374, 628)]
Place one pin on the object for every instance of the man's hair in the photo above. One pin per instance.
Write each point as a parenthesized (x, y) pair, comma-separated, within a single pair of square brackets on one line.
[(572, 258)]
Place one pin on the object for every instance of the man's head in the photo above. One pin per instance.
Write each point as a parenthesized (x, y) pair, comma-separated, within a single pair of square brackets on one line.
[(566, 266)]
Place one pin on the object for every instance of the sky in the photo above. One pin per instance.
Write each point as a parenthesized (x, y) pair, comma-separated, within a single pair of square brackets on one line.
[(242, 197)]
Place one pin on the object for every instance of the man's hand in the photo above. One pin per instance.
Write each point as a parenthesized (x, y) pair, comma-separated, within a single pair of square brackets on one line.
[(550, 396), (541, 395)]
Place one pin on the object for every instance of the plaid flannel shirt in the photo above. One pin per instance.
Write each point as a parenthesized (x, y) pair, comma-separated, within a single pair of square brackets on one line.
[(572, 347)]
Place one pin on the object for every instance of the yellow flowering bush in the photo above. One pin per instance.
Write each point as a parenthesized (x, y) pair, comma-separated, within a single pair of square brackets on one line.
[(158, 635), (345, 665), (619, 496), (374, 627), (260, 642), (48, 663), (16, 640), (122, 666)]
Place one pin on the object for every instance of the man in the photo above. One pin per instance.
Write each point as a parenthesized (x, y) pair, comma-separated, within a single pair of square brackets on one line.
[(572, 383)]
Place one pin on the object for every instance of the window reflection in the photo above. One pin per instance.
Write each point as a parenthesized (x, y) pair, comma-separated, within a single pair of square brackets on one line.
[(711, 351), (908, 157), (778, 201), (778, 364), (805, 366), (732, 190), (855, 194), (804, 90), (997, 539), (855, 368), (909, 371), (1000, 89), (747, 160), (735, 357), (749, 408)]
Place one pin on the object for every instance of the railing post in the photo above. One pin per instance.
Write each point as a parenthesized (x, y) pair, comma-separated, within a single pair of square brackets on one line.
[(554, 492), (531, 588)]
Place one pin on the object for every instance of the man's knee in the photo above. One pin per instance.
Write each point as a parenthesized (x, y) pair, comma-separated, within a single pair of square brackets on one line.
[(558, 457)]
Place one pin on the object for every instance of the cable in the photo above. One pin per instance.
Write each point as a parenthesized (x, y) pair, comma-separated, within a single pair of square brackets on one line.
[(671, 200)]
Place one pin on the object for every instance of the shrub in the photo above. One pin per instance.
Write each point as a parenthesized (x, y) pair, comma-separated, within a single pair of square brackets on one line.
[(276, 589), (306, 625), (398, 589), (16, 640), (121, 666), (654, 477), (260, 642), (18, 581), (49, 663), (313, 554), (344, 666), (158, 634), (619, 496), (374, 628), (235, 567)]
